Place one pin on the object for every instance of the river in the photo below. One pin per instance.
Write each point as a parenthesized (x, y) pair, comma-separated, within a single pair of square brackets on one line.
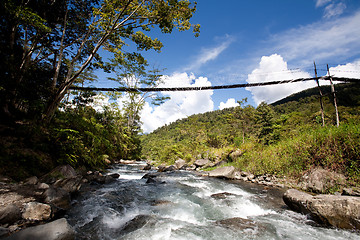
[(184, 205)]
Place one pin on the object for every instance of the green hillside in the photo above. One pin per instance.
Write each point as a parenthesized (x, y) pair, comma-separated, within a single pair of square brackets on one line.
[(285, 138)]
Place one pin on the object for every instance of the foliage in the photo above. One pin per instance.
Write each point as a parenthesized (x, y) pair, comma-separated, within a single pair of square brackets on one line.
[(47, 46), (78, 136), (282, 139)]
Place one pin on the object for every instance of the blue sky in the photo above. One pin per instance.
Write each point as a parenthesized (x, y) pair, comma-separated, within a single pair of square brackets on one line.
[(253, 41)]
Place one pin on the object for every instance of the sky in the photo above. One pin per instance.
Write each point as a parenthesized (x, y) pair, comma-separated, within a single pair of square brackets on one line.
[(253, 41)]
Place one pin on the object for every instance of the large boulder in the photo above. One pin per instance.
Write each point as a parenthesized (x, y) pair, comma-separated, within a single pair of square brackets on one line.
[(60, 172), (333, 210), (9, 214), (337, 211), (35, 211), (319, 180), (297, 200), (223, 172), (56, 230)]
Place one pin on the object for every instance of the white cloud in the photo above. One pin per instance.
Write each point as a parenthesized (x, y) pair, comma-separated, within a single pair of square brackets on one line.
[(350, 70), (320, 3), (229, 103), (334, 9), (208, 54), (181, 104), (332, 39), (274, 68)]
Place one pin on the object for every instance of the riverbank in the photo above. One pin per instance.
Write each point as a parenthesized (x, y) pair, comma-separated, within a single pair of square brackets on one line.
[(38, 201)]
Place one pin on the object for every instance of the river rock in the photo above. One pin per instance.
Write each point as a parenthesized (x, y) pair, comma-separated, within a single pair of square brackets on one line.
[(60, 172), (42, 186), (333, 210), (56, 230), (10, 214), (319, 180), (161, 167), (236, 154), (31, 180), (138, 222), (337, 211), (3, 232), (237, 223), (222, 195), (154, 181), (351, 192), (152, 175), (70, 185), (57, 197), (223, 172), (180, 164), (160, 202), (297, 200), (147, 167), (201, 162), (35, 211)]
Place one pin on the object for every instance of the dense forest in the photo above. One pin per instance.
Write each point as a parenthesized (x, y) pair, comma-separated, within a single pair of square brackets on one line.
[(285, 138), (46, 47)]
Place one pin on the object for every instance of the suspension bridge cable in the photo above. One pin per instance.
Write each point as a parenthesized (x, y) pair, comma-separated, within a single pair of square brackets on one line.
[(244, 85)]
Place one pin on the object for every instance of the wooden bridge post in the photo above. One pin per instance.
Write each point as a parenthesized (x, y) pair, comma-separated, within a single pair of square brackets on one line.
[(334, 96), (321, 96)]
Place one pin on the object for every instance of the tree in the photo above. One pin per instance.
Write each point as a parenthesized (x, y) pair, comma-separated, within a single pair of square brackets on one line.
[(131, 72), (66, 35), (265, 122)]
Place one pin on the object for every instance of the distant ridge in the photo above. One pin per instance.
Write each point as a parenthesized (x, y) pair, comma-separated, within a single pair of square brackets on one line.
[(348, 94)]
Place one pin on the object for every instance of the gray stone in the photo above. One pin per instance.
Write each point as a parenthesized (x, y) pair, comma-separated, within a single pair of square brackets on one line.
[(58, 198), (10, 214), (56, 230), (161, 167), (297, 200), (236, 154), (223, 172), (201, 162), (70, 185), (31, 181), (147, 167), (138, 222), (337, 211), (333, 210), (35, 211), (250, 177), (169, 168), (319, 180), (43, 186), (180, 164), (237, 223), (222, 195), (3, 232), (351, 192), (114, 175)]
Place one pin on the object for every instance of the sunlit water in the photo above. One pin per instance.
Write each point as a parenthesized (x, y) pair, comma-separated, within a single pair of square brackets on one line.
[(181, 206)]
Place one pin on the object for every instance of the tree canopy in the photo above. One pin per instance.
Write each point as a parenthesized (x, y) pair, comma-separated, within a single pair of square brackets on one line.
[(47, 45)]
